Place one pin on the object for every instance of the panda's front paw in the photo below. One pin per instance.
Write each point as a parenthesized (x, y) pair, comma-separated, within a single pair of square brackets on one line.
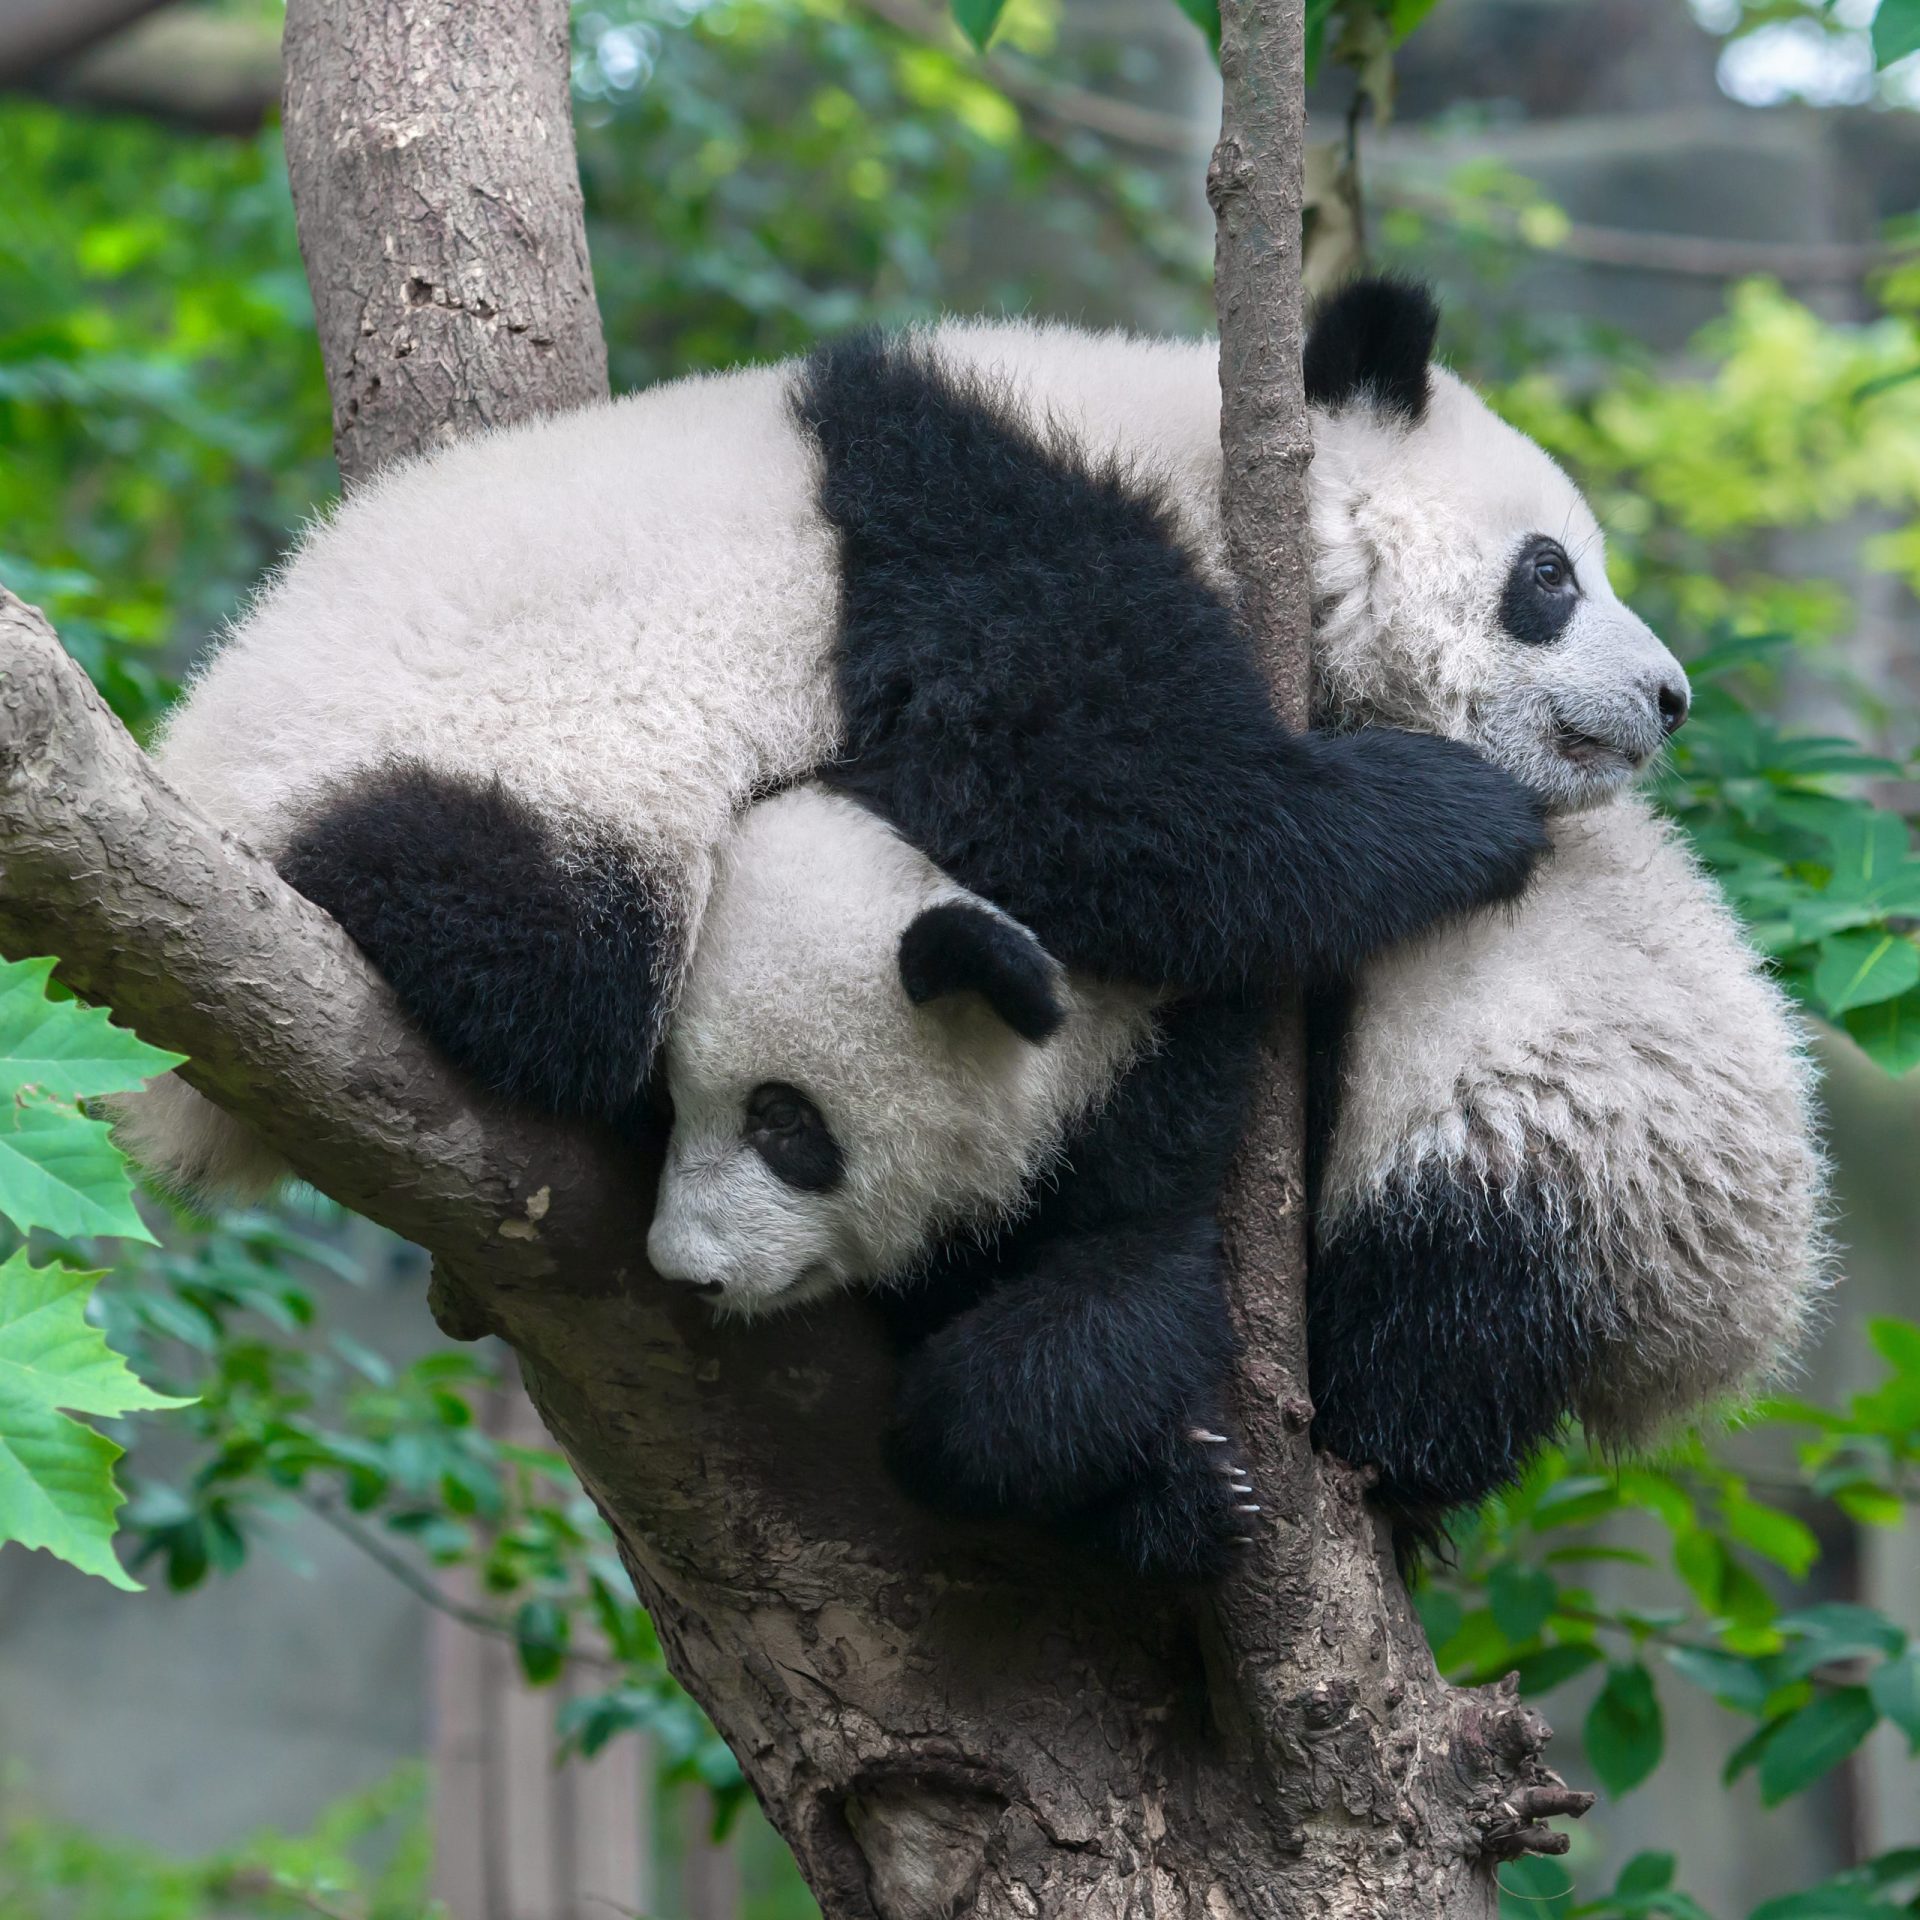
[(1187, 1517)]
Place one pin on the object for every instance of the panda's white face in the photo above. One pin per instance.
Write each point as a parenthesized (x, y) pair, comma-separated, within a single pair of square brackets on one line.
[(829, 1128), (1460, 587)]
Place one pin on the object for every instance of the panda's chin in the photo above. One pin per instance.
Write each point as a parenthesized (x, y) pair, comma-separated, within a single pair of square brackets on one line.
[(813, 1282)]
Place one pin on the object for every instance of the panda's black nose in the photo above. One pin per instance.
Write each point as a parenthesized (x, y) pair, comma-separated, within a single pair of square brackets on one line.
[(1672, 701)]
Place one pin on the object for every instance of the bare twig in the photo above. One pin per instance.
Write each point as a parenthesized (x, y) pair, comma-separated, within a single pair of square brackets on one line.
[(36, 33)]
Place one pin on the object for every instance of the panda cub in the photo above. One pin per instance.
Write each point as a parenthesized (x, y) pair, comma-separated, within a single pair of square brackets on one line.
[(1563, 1154)]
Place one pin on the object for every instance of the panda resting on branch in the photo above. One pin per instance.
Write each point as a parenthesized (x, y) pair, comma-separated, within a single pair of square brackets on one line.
[(500, 715)]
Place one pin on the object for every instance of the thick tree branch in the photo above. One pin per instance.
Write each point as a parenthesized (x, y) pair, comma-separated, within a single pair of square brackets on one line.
[(431, 149)]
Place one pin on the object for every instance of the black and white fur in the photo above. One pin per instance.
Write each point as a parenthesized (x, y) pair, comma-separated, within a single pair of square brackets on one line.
[(1563, 1153), (499, 715)]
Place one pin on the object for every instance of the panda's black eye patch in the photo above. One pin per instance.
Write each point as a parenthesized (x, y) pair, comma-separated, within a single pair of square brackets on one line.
[(1541, 593), (791, 1135)]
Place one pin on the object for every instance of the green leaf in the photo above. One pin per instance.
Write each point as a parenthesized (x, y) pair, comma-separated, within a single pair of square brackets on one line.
[(1731, 1678), (1520, 1599), (1894, 1689), (1624, 1731), (1897, 1341), (1814, 1740), (1896, 31), (56, 1476), (1836, 1630), (540, 1630), (62, 1048), (1536, 1888), (1553, 1666), (1888, 1032), (60, 1170), (1777, 1536), (1645, 1873), (978, 18), (1836, 1902), (1858, 969)]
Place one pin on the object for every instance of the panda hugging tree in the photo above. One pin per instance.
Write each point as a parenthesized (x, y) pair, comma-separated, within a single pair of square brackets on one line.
[(881, 744)]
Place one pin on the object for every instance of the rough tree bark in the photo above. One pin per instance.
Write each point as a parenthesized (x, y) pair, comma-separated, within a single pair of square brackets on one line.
[(940, 1722)]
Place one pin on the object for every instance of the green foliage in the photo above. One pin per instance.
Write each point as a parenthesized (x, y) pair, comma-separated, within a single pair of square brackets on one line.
[(368, 1857), (60, 1172), (161, 405), (1710, 1548), (759, 173)]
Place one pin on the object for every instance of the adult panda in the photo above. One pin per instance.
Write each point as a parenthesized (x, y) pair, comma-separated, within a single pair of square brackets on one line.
[(498, 712), (1563, 1153)]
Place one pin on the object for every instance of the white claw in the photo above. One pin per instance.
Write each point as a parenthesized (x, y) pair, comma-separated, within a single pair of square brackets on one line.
[(1243, 1539), (1246, 1509), (1205, 1438)]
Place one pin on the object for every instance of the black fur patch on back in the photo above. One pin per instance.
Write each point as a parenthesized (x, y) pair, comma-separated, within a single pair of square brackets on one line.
[(1448, 1332), (533, 964), (1041, 692), (957, 947), (1373, 342)]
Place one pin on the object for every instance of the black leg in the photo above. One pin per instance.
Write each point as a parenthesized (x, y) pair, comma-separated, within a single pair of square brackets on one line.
[(536, 965), (1077, 1389), (1448, 1332)]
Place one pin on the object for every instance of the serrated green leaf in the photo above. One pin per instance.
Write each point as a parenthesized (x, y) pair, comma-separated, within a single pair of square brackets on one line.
[(1888, 1032), (978, 18), (56, 1476), (1896, 31), (64, 1049), (60, 1170), (1813, 1741), (1624, 1731), (1858, 969), (1894, 1689)]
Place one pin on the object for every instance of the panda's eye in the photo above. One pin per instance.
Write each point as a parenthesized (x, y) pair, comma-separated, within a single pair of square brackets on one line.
[(791, 1135), (1540, 594)]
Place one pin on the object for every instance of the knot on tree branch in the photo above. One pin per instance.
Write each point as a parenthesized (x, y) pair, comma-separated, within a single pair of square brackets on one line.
[(1514, 1792)]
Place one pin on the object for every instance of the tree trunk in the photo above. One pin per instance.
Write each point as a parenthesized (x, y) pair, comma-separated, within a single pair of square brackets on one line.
[(941, 1723)]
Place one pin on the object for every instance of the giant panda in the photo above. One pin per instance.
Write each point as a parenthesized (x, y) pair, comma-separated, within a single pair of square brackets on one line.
[(1562, 1154)]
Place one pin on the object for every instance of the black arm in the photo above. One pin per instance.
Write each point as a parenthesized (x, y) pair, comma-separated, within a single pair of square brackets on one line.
[(1042, 691)]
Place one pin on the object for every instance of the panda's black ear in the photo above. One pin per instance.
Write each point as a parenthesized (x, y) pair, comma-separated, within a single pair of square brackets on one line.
[(958, 947), (1372, 342)]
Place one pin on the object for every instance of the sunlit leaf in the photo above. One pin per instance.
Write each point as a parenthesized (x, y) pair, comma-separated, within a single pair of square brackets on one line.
[(56, 1475), (64, 1049)]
